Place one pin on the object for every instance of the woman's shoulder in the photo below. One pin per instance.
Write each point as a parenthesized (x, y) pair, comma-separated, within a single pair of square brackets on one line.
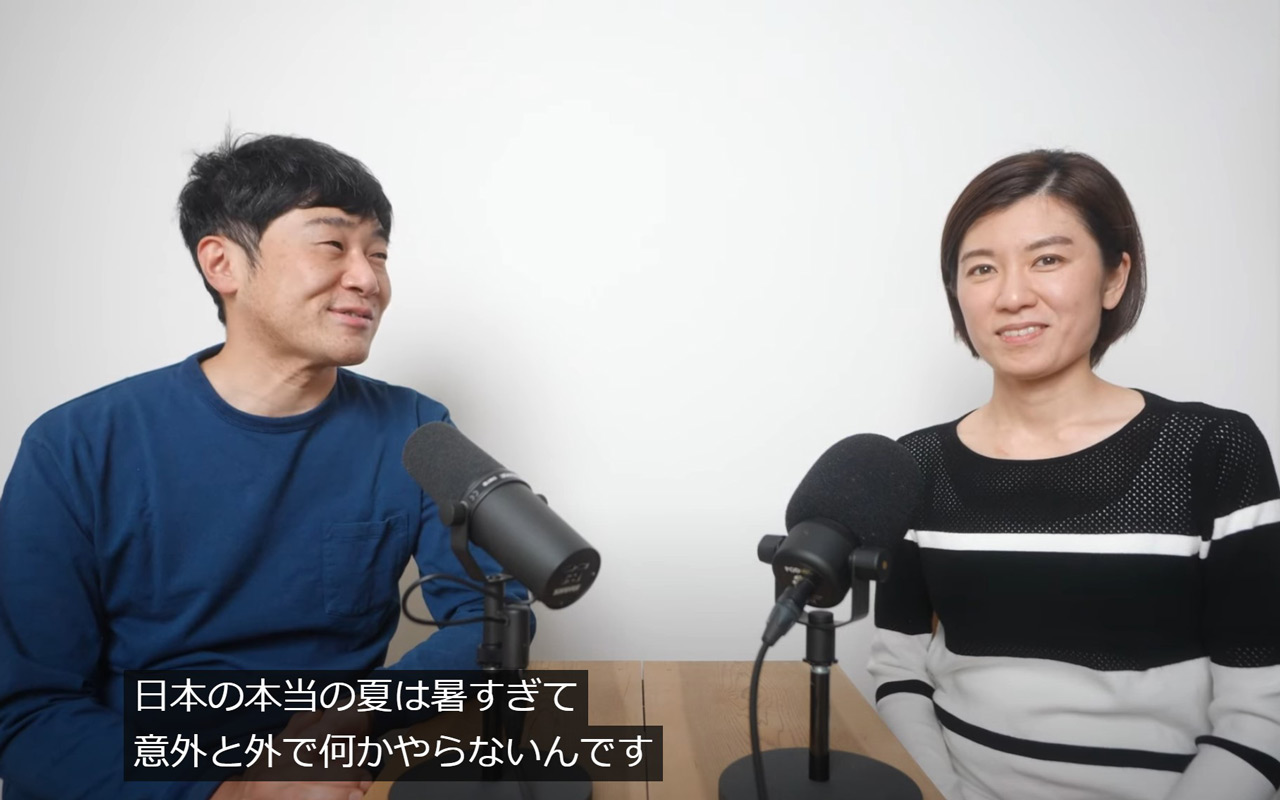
[(931, 433), (1205, 416), (1228, 445), (927, 444)]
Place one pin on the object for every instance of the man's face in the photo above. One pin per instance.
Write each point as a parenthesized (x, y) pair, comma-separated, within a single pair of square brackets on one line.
[(318, 291)]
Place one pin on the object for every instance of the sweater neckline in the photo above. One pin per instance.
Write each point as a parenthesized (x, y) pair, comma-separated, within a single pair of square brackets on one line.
[(952, 436), (194, 376)]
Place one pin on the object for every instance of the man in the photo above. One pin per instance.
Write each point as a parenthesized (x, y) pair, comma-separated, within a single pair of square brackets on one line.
[(243, 509)]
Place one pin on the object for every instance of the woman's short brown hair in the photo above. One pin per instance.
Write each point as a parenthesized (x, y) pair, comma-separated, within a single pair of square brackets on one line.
[(1081, 182)]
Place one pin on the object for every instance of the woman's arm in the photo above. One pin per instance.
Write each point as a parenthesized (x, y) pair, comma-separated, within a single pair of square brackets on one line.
[(1240, 758), (904, 689)]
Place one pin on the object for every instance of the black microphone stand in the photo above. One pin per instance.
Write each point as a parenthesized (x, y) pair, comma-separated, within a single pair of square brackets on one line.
[(817, 772), (503, 653)]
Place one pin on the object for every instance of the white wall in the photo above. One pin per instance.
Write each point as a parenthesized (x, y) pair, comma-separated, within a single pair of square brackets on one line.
[(655, 256)]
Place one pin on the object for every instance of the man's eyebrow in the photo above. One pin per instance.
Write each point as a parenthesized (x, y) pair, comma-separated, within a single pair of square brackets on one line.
[(339, 222), (347, 222)]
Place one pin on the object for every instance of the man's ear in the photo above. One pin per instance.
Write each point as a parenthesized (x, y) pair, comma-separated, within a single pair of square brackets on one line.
[(223, 263)]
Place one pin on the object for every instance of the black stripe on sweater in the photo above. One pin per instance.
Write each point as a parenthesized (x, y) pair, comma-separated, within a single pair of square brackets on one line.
[(1076, 608), (1068, 753), (895, 687), (1267, 765)]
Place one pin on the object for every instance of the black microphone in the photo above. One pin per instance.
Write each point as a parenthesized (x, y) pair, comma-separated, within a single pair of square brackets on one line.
[(861, 493), (502, 514)]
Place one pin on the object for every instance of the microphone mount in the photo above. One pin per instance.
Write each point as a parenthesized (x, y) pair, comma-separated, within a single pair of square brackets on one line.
[(457, 515), (865, 564), (503, 651)]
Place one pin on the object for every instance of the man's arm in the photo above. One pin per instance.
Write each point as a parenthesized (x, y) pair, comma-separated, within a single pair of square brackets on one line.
[(56, 738)]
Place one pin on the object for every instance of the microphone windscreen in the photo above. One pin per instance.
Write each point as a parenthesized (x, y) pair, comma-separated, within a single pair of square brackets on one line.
[(445, 463), (867, 483)]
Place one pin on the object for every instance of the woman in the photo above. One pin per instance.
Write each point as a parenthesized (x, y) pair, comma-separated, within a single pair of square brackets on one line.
[(1087, 604)]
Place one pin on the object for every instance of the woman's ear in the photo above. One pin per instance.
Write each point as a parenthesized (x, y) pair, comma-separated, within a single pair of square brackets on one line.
[(1114, 283)]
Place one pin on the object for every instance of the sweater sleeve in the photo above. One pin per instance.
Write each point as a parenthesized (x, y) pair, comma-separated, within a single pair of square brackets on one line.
[(56, 738), (1240, 758), (904, 689)]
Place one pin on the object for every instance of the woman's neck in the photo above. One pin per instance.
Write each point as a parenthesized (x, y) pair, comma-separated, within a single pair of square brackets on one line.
[(1045, 404), (1048, 417)]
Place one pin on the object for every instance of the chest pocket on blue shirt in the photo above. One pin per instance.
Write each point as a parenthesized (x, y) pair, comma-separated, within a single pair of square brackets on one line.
[(363, 562)]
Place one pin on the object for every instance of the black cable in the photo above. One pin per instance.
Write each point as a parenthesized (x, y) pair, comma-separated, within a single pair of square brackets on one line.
[(757, 760), (444, 576)]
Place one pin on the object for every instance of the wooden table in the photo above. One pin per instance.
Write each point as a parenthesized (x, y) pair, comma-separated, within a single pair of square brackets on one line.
[(614, 696), (702, 708)]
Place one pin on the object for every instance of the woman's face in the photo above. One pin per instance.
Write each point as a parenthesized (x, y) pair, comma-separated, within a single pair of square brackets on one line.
[(1032, 287)]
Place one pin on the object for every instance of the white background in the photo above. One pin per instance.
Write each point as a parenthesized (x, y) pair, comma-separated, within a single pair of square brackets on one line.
[(655, 257)]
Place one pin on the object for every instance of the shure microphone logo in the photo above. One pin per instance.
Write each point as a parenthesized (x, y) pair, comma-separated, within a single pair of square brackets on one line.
[(505, 475)]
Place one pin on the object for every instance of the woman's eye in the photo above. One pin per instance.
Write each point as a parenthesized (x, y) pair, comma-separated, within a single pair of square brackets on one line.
[(1048, 261), (982, 269)]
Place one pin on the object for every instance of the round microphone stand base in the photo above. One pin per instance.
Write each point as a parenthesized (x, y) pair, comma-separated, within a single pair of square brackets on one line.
[(786, 772)]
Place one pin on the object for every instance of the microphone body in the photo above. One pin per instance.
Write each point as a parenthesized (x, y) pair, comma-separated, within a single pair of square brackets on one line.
[(500, 513), (534, 544)]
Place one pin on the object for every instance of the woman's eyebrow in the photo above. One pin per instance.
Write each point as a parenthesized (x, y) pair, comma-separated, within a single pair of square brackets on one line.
[(1049, 240), (1036, 245), (981, 251)]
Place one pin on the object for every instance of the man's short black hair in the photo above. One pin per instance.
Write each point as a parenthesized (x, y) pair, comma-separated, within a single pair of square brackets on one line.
[(238, 189)]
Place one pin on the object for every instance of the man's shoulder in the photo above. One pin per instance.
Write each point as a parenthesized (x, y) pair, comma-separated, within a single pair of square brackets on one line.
[(95, 410), (379, 393)]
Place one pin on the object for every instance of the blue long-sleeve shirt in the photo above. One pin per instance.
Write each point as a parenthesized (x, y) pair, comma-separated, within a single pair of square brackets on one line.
[(150, 525)]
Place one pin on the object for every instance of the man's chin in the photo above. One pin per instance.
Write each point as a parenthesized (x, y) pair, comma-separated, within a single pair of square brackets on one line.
[(352, 361), (350, 357)]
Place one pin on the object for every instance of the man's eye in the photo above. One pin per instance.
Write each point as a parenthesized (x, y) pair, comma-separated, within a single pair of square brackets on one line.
[(382, 256), (338, 245)]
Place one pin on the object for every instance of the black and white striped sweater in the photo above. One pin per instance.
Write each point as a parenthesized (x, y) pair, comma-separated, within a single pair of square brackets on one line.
[(1108, 621)]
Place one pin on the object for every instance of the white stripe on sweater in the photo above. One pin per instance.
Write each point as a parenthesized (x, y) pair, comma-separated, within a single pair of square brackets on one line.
[(1156, 544), (1164, 544)]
